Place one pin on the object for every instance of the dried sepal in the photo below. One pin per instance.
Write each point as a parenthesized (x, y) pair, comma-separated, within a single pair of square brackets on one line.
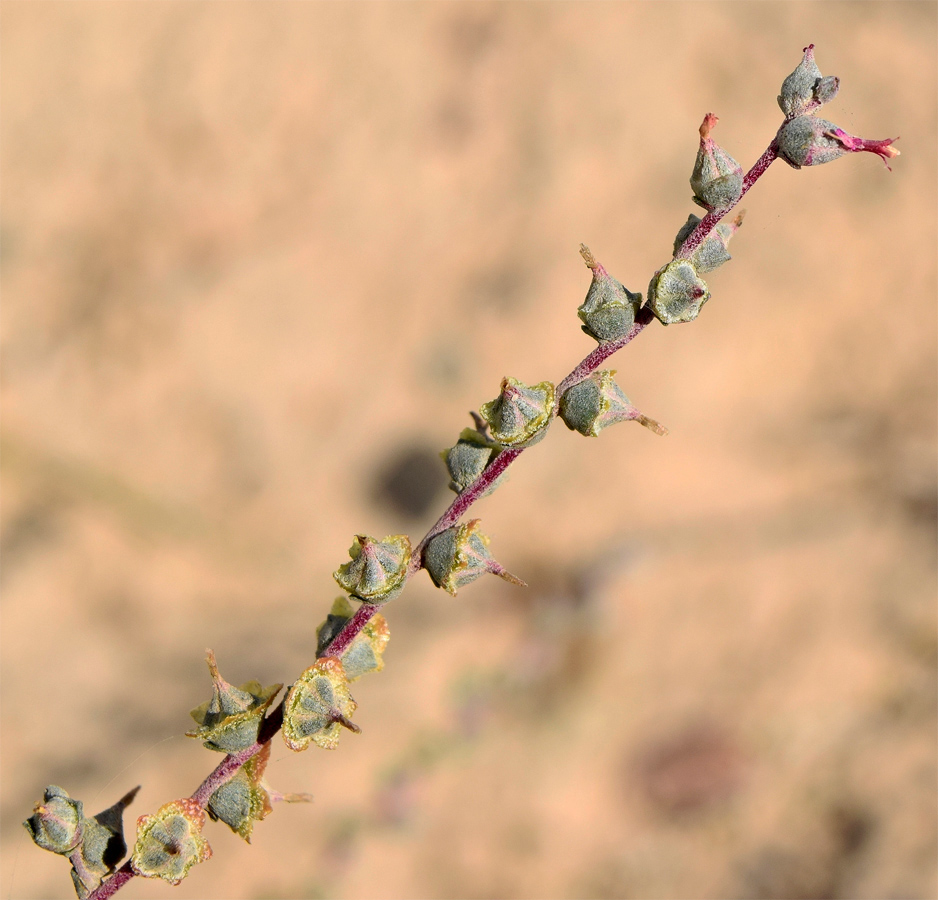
[(677, 293), (467, 459), (378, 569), (56, 822), (366, 652), (597, 402), (806, 89), (229, 722), (608, 312), (811, 141), (318, 706), (170, 842), (712, 251), (460, 555), (520, 415), (243, 799), (293, 797), (717, 180)]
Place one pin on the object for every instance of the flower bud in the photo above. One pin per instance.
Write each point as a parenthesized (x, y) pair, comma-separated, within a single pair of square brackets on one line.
[(712, 251), (229, 722), (520, 415), (676, 293), (170, 842), (243, 800), (459, 556), (467, 459), (378, 570), (366, 652), (717, 180), (608, 312), (597, 402), (56, 822), (806, 89), (810, 141), (318, 706)]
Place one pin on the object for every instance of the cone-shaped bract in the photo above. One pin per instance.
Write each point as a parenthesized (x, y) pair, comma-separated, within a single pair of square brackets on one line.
[(597, 402), (243, 800), (318, 706), (806, 89), (378, 570), (717, 180), (56, 822), (229, 722), (676, 293), (467, 459), (459, 556), (366, 652), (712, 252), (170, 842), (810, 141), (520, 415), (608, 312)]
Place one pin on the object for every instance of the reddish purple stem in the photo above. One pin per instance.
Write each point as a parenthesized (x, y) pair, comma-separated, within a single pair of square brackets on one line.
[(457, 509), (114, 883), (350, 630), (602, 352)]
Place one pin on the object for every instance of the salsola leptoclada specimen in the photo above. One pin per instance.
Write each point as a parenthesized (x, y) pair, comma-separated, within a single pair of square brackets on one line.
[(241, 722)]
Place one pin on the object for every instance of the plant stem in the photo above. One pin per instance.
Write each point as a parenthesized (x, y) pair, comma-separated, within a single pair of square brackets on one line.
[(457, 509), (350, 630), (114, 883), (602, 352)]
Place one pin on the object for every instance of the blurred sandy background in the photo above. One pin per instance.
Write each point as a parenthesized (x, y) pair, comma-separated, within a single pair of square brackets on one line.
[(258, 263)]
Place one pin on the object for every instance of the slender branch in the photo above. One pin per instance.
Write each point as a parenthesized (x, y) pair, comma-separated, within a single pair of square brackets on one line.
[(226, 769), (350, 630), (110, 887), (602, 352), (465, 499), (223, 772)]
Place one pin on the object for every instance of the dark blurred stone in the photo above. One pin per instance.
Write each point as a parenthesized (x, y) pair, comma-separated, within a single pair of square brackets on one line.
[(852, 829), (775, 873), (817, 868), (695, 769), (410, 481)]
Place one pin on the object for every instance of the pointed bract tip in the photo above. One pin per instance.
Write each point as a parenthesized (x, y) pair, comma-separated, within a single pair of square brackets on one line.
[(652, 425), (507, 576), (128, 798), (709, 121)]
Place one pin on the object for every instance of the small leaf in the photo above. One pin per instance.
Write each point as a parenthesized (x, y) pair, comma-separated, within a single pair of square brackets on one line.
[(460, 555), (378, 569), (243, 799), (608, 312), (677, 293), (56, 822), (366, 652), (520, 415), (170, 842), (230, 721), (468, 458), (318, 706), (596, 403)]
